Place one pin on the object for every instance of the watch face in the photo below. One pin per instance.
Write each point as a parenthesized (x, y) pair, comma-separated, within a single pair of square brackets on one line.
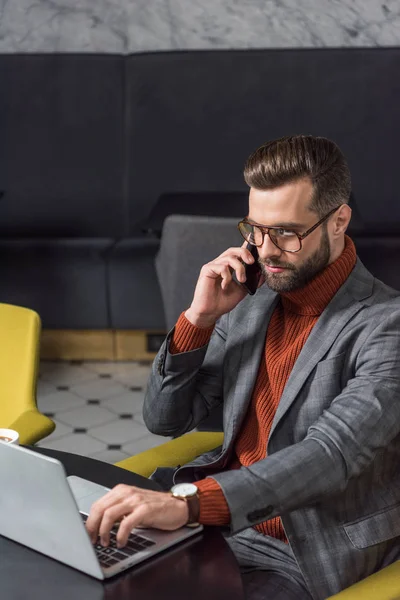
[(184, 489)]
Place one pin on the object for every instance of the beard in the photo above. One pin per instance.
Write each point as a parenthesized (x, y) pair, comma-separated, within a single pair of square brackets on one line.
[(297, 277)]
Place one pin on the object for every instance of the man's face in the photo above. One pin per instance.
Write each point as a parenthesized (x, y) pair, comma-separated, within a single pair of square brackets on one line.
[(287, 207)]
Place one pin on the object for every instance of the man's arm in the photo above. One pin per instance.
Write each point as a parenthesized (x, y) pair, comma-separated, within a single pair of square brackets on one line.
[(183, 388), (339, 446)]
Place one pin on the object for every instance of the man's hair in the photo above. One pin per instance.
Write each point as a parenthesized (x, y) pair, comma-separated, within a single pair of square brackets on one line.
[(297, 157)]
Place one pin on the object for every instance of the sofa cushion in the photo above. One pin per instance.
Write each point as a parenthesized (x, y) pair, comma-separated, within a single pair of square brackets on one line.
[(64, 280)]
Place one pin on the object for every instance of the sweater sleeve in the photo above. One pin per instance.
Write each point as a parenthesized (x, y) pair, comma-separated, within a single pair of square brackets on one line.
[(188, 337), (213, 506)]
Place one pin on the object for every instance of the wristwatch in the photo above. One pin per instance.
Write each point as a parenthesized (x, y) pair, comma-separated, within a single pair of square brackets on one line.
[(189, 493)]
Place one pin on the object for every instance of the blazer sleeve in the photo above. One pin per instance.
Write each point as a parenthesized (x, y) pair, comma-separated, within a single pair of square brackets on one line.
[(183, 388), (360, 422)]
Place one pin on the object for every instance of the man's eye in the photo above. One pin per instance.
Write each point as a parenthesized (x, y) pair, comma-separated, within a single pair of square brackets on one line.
[(285, 232)]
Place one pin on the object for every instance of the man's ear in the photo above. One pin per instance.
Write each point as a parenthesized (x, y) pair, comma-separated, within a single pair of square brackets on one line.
[(342, 220)]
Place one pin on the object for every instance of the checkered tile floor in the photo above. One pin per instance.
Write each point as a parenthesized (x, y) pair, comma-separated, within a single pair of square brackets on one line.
[(97, 408)]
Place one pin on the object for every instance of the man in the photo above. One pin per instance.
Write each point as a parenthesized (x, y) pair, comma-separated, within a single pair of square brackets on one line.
[(308, 371)]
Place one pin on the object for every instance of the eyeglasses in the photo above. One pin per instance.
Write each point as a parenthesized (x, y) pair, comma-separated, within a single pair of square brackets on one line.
[(284, 239)]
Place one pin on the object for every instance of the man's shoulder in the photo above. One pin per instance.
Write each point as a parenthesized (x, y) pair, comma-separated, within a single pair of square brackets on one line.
[(370, 289), (378, 302)]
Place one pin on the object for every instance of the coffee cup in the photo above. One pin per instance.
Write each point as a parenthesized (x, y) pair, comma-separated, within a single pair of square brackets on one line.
[(9, 436)]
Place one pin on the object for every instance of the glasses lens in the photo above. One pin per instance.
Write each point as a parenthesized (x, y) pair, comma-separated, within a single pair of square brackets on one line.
[(285, 240), (282, 238), (251, 233)]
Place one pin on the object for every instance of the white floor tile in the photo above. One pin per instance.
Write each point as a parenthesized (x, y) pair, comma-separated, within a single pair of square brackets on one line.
[(59, 432), (138, 417), (63, 373), (44, 388), (99, 389), (102, 421), (128, 403), (138, 376), (87, 416), (48, 366), (109, 456), (119, 432), (111, 368), (59, 401), (150, 441), (77, 444), (106, 367)]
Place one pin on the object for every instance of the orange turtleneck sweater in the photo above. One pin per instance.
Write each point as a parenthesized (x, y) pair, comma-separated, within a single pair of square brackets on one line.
[(288, 330)]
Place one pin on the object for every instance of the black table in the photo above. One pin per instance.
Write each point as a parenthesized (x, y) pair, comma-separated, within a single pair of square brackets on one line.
[(202, 568)]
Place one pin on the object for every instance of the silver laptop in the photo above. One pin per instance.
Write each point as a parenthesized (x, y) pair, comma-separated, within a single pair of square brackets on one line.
[(45, 510)]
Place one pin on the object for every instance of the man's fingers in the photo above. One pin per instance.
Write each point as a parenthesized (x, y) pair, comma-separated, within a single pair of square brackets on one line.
[(140, 515), (223, 268), (110, 517), (113, 497), (236, 265), (226, 275), (148, 515), (240, 252), (133, 507), (93, 522)]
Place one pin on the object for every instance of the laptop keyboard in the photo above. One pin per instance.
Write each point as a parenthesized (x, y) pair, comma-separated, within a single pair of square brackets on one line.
[(112, 555)]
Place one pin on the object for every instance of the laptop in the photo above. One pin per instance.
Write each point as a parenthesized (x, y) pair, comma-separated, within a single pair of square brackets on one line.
[(43, 509)]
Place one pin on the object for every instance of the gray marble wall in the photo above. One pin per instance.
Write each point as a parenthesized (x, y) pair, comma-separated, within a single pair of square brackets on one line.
[(125, 26)]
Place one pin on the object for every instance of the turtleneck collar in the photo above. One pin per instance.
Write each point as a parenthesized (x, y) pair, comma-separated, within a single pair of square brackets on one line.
[(313, 298)]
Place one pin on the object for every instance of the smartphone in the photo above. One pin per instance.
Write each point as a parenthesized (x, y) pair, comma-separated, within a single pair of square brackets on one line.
[(253, 272)]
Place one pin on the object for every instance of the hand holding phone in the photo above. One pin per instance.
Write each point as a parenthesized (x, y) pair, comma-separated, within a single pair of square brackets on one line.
[(218, 290)]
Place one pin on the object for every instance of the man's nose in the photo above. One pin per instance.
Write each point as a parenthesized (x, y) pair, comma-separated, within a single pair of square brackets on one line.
[(268, 248)]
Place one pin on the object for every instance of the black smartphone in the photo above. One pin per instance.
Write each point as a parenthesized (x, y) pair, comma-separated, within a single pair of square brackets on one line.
[(253, 272)]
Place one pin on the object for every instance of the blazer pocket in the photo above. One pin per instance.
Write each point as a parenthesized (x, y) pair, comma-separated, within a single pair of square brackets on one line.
[(330, 366), (374, 529)]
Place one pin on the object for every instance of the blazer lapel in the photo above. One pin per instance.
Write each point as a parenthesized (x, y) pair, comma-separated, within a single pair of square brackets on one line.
[(250, 332), (344, 305)]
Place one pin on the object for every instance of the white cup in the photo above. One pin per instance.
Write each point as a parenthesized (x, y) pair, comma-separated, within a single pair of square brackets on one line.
[(9, 436)]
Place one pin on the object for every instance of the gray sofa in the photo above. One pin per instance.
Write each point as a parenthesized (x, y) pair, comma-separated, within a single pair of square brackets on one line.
[(89, 144)]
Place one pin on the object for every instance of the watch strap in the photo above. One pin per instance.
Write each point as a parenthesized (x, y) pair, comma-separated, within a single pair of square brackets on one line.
[(193, 504)]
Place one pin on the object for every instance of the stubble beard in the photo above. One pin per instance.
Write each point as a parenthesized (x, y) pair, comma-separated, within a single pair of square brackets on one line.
[(297, 277)]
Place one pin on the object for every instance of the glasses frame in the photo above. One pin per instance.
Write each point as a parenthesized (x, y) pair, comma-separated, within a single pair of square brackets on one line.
[(265, 230)]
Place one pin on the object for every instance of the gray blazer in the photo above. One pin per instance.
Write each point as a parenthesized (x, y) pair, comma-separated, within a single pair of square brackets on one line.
[(332, 470)]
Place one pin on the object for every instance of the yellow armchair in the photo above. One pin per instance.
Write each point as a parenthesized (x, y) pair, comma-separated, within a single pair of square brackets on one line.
[(19, 364), (383, 585), (178, 451)]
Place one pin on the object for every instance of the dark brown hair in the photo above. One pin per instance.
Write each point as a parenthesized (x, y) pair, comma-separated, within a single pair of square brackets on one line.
[(302, 156)]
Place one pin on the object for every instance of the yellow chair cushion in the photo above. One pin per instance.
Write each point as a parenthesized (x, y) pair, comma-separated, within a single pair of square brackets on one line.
[(32, 426), (19, 361), (176, 452), (20, 332), (383, 585)]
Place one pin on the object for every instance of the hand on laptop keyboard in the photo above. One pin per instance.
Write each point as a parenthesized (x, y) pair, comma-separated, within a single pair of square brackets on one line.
[(134, 507), (112, 555)]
